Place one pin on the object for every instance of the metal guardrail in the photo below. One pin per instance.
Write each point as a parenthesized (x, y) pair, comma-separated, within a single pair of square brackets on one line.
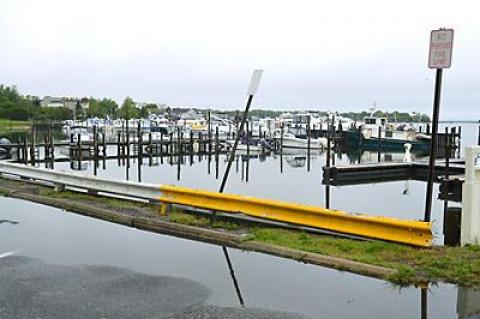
[(90, 183), (415, 233), (403, 231)]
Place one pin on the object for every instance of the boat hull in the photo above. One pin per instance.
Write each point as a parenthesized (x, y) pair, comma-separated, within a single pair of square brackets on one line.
[(354, 138)]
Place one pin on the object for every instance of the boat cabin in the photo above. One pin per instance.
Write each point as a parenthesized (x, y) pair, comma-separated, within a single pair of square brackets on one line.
[(377, 121)]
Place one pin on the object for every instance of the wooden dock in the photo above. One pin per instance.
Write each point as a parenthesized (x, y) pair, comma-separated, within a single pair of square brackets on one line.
[(378, 172)]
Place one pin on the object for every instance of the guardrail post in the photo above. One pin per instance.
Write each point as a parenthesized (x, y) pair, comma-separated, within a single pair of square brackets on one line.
[(59, 187), (165, 209), (470, 232)]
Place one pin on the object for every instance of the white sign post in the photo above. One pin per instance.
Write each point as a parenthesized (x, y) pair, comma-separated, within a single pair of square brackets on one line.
[(439, 58)]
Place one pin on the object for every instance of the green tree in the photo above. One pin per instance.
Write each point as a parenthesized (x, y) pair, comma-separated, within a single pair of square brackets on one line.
[(14, 106), (148, 109), (128, 110), (94, 109), (101, 108), (79, 115), (108, 107)]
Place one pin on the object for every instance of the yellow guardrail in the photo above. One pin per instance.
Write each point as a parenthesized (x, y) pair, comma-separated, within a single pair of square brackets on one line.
[(415, 233)]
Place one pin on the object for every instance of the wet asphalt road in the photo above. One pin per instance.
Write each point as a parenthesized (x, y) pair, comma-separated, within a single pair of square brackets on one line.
[(30, 288)]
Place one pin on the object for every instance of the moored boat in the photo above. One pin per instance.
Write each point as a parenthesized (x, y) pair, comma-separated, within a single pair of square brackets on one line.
[(376, 133)]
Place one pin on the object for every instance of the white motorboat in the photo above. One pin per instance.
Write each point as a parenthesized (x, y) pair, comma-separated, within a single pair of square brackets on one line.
[(289, 140), (82, 133)]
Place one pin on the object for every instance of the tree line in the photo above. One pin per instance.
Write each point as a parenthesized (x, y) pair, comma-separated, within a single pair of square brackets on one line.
[(390, 116), (15, 106)]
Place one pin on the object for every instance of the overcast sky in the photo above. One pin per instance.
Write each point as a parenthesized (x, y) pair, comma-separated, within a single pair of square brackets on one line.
[(325, 55)]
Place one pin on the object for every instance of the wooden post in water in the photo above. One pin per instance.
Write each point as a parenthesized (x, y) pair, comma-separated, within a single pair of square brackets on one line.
[(248, 139), (217, 148), (118, 144), (104, 146), (123, 142), (140, 142), (161, 144), (453, 134), (52, 146), (161, 148), (150, 147), (327, 164), (45, 150), (104, 151), (190, 148), (200, 143), (209, 132), (25, 150), (179, 152), (281, 137), (95, 150), (281, 147), (32, 149), (459, 140), (308, 144), (18, 149), (128, 148), (139, 154), (379, 156)]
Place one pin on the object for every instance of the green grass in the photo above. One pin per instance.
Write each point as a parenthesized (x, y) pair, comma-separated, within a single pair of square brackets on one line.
[(150, 210), (459, 265), (403, 275), (176, 216), (188, 219), (14, 125)]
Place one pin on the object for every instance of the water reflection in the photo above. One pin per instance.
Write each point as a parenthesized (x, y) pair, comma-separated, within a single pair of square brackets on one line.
[(265, 281), (232, 274)]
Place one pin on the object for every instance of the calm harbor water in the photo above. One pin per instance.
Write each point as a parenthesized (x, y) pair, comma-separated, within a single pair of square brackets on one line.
[(267, 282)]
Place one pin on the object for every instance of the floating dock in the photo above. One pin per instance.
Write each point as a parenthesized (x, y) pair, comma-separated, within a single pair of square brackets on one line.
[(377, 172)]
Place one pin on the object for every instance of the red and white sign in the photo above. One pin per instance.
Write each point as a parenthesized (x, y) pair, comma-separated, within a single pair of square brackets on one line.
[(441, 44)]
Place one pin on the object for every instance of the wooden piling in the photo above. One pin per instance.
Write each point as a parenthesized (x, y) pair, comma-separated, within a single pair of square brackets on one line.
[(247, 138), (281, 137), (209, 132), (95, 150), (32, 147), (150, 147), (379, 154), (18, 149), (217, 148), (327, 164), (308, 144), (52, 146), (25, 150)]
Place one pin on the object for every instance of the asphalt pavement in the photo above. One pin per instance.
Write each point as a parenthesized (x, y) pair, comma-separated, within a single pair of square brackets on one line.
[(30, 288)]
